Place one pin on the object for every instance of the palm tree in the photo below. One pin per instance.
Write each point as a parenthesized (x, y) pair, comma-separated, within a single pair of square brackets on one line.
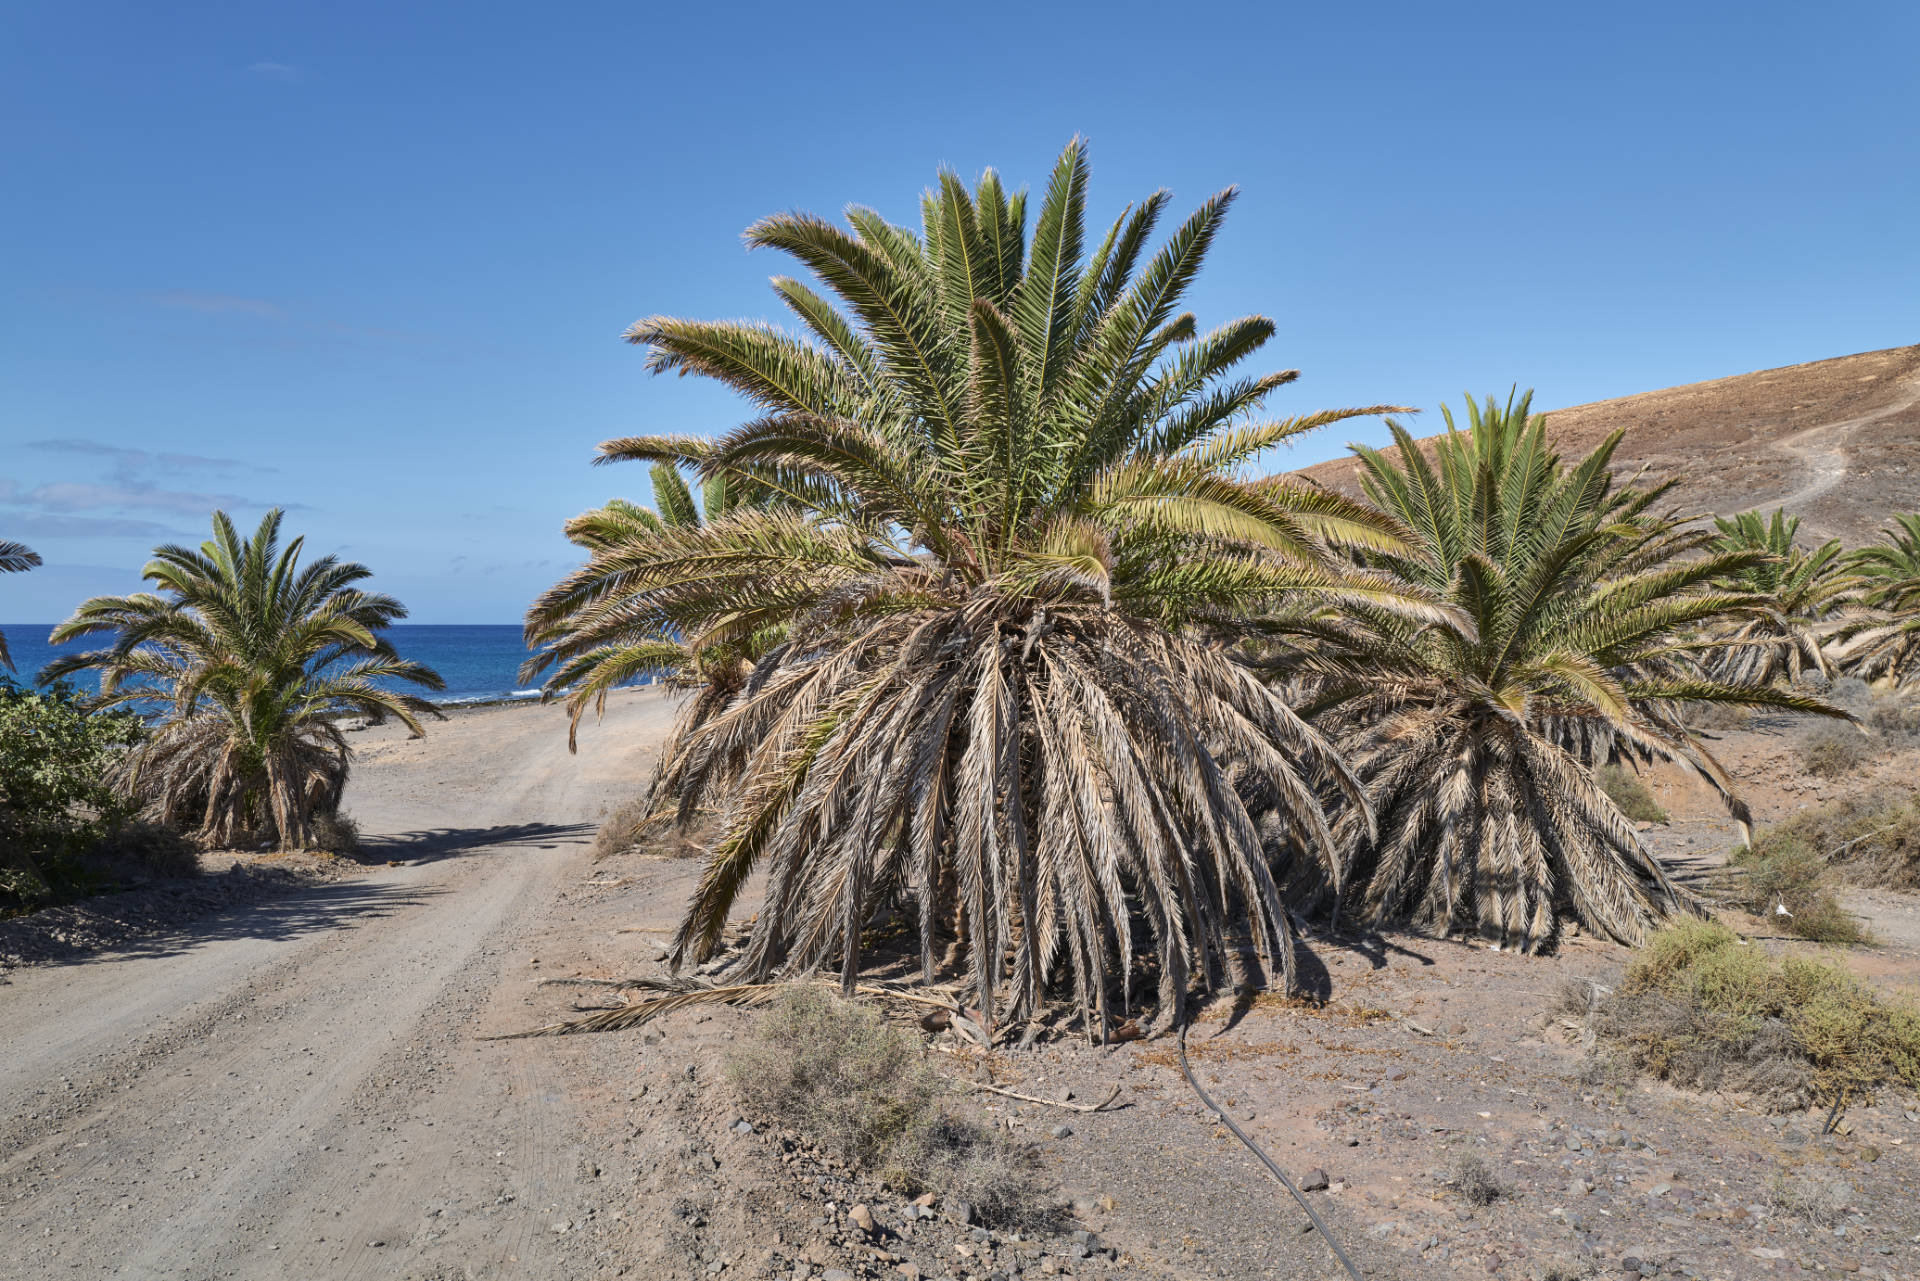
[(1880, 641), (248, 661), (1476, 745), (1806, 588), (15, 558), (1017, 548), (591, 636)]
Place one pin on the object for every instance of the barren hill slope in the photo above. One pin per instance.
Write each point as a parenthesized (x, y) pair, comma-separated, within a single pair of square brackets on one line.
[(1834, 441)]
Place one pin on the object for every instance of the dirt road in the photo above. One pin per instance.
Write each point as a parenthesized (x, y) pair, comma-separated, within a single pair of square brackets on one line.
[(294, 1089)]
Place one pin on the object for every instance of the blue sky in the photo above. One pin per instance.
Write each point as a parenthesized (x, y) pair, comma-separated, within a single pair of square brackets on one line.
[(372, 262)]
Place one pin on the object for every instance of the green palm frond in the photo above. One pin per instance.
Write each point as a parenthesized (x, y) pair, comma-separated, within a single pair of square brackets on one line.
[(15, 558)]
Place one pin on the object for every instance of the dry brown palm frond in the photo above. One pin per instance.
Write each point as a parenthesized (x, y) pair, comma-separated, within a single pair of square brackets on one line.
[(680, 994)]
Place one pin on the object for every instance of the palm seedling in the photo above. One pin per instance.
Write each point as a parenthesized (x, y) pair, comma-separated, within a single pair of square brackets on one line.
[(1015, 547), (247, 661), (1476, 745), (15, 558), (1806, 588), (590, 635), (1880, 640)]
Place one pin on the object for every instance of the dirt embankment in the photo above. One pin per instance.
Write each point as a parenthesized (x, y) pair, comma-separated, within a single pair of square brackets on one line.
[(1834, 441)]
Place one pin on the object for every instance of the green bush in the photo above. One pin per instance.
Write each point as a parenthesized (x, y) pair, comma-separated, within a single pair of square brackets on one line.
[(861, 1089), (1630, 794), (1700, 1008), (55, 803)]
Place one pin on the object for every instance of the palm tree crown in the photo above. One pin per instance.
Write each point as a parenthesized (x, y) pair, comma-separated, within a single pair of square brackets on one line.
[(1476, 743), (15, 558), (1017, 539), (591, 635), (248, 660), (1881, 640), (1806, 587)]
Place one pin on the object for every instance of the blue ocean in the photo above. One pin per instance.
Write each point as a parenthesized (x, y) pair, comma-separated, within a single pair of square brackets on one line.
[(479, 663)]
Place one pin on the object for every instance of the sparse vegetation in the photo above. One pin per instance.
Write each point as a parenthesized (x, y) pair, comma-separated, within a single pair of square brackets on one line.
[(620, 831), (1869, 840), (1700, 1008), (1633, 797), (860, 1089), (1781, 871), (1475, 1182), (1813, 1195), (1831, 750)]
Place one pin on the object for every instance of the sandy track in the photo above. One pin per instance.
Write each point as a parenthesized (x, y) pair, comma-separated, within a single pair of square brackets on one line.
[(294, 1088)]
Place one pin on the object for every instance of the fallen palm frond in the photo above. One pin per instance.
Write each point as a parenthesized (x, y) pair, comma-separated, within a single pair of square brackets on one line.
[(672, 995), (1102, 1106)]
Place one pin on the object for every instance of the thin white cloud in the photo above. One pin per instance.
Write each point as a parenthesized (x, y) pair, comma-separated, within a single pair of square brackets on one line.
[(132, 462), (214, 304), (43, 525), (76, 496)]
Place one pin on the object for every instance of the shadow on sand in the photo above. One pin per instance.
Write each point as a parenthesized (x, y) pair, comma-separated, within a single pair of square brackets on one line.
[(431, 844)]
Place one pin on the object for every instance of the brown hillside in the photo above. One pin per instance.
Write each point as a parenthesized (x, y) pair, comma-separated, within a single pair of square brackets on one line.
[(1834, 441)]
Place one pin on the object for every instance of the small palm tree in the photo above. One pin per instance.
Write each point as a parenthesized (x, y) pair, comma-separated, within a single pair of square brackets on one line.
[(1880, 641), (1476, 745), (15, 558), (1806, 587), (1018, 546), (248, 661), (591, 635)]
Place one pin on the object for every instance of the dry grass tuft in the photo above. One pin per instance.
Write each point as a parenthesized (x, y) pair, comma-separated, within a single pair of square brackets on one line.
[(861, 1089), (1630, 794), (1700, 1009), (622, 830), (1834, 749), (1869, 840), (1810, 1196), (1475, 1182)]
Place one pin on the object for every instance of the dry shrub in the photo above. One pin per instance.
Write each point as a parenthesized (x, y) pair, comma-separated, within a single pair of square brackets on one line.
[(152, 849), (1698, 1008), (1818, 1199), (335, 833), (1834, 749), (1783, 871), (1718, 716), (1476, 1183), (630, 828), (1630, 794), (861, 1089), (1870, 840), (622, 830)]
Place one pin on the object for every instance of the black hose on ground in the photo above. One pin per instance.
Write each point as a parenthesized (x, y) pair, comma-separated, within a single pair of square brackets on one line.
[(1220, 1114)]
